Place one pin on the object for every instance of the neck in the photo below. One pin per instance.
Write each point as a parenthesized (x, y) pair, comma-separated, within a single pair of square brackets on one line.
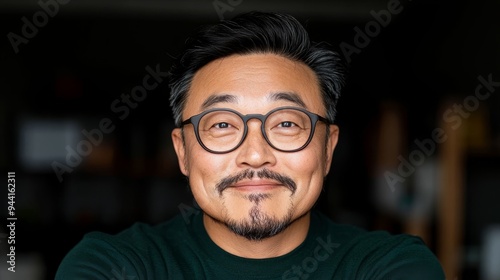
[(275, 246)]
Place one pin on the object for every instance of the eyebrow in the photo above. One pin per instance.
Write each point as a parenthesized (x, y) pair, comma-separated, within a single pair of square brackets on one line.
[(288, 96), (229, 98), (215, 98)]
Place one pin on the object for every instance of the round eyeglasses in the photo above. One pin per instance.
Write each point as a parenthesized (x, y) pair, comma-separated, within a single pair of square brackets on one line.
[(286, 129)]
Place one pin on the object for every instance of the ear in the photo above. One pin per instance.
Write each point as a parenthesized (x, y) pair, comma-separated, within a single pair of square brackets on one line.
[(331, 143), (180, 150)]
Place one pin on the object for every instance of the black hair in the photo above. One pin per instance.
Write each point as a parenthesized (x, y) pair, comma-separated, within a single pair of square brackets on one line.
[(257, 32)]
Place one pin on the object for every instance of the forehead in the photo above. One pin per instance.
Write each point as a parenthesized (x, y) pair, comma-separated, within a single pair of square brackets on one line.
[(253, 83)]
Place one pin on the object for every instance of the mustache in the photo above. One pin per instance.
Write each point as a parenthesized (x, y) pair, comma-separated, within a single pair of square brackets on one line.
[(261, 174)]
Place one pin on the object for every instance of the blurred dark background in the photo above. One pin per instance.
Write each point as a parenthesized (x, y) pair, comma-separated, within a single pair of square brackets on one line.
[(66, 66)]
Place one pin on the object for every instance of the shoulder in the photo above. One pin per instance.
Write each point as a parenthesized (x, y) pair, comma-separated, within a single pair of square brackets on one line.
[(396, 256), (364, 254), (134, 252)]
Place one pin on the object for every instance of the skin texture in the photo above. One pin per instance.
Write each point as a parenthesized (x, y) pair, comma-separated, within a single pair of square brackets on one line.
[(249, 84)]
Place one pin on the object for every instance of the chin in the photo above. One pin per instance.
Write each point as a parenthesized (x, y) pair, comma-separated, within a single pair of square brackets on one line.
[(258, 225)]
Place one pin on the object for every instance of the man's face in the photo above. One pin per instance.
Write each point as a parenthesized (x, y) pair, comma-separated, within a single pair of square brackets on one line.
[(255, 190)]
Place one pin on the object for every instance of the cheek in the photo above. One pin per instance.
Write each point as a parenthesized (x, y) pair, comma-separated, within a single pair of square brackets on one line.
[(205, 171), (310, 162), (309, 172), (307, 169)]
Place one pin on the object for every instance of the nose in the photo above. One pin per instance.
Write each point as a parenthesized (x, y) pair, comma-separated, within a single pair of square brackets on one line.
[(255, 152)]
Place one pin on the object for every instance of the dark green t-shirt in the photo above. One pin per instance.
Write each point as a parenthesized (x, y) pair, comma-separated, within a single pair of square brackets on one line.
[(181, 249)]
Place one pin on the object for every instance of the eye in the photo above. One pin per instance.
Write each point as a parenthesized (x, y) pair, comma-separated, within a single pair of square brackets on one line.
[(286, 124), (222, 125)]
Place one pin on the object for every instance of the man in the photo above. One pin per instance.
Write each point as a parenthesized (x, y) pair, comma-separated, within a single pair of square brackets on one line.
[(254, 102)]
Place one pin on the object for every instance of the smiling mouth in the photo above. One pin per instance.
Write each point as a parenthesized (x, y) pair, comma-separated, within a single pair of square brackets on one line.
[(258, 185)]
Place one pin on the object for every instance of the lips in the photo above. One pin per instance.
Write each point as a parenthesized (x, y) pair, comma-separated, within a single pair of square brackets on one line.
[(256, 185)]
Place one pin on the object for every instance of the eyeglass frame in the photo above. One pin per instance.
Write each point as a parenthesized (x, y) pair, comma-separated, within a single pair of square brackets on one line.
[(195, 121)]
